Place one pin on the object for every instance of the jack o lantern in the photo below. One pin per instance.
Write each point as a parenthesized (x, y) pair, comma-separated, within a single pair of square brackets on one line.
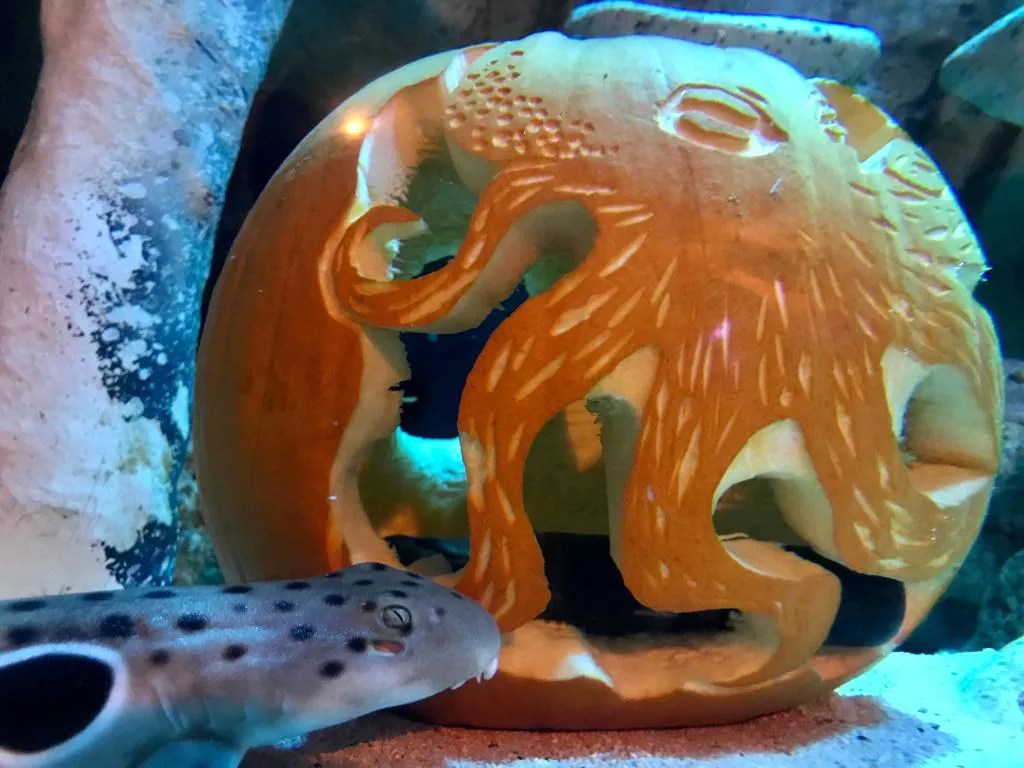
[(749, 380)]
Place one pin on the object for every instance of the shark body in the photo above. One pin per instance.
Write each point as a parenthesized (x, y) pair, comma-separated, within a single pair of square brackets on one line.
[(190, 676)]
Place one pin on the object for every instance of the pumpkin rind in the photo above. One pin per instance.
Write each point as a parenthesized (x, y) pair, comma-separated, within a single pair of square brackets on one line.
[(767, 269)]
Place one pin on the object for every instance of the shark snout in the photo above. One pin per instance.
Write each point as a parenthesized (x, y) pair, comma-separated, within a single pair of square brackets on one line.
[(485, 637)]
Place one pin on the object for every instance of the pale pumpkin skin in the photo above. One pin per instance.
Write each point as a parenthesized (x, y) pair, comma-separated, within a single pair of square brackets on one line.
[(768, 279)]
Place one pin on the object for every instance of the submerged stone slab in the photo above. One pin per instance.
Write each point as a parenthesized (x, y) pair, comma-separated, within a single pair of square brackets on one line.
[(107, 220), (988, 70), (817, 48)]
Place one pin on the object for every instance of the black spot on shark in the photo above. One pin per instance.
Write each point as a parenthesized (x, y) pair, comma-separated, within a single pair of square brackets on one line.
[(26, 606), (192, 622), (234, 652), (117, 626), (22, 634), (332, 668)]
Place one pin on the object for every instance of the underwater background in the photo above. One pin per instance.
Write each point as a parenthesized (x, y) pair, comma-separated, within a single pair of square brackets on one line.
[(328, 49)]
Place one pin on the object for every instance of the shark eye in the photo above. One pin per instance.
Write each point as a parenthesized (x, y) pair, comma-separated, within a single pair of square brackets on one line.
[(395, 617)]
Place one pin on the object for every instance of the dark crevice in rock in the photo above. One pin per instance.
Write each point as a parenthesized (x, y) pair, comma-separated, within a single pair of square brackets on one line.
[(21, 62), (988, 171), (922, 115)]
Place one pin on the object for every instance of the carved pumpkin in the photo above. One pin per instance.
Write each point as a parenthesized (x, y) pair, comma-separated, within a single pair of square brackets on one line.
[(736, 274)]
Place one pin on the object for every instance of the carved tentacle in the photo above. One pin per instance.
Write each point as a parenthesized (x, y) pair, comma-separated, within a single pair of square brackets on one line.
[(437, 301), (551, 352), (882, 523), (671, 558), (904, 284)]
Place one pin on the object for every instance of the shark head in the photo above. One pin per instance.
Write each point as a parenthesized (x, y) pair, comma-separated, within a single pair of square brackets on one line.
[(114, 678), (396, 638)]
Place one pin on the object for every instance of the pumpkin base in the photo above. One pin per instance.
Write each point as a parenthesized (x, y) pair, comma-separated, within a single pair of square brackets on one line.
[(533, 692)]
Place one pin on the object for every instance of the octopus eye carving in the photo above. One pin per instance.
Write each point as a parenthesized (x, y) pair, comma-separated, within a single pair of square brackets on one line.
[(719, 118)]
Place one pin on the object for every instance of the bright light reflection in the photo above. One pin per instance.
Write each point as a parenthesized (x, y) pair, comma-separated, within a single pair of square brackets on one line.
[(354, 126)]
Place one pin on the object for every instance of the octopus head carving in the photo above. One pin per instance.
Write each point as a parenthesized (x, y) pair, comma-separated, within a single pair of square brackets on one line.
[(736, 273)]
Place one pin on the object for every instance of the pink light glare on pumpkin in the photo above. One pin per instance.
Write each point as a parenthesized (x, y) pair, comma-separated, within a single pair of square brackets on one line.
[(355, 126)]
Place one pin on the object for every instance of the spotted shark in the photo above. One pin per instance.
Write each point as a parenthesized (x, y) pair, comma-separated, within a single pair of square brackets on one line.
[(196, 676)]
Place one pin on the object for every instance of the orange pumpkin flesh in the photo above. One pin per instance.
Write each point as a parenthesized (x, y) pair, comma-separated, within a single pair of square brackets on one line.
[(769, 280)]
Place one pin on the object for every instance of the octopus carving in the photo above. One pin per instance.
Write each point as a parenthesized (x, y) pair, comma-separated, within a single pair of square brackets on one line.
[(767, 278)]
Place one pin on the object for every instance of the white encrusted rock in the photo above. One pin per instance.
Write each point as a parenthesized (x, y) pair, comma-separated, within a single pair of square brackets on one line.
[(816, 48), (107, 220), (988, 70)]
